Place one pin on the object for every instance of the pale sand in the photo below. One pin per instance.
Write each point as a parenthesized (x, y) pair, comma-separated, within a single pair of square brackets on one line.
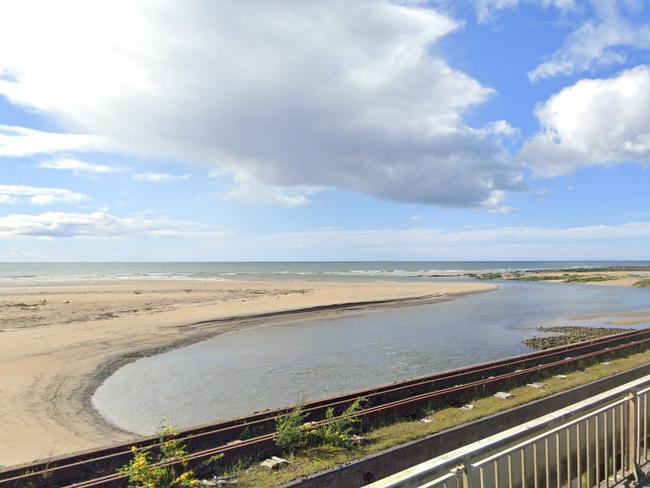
[(58, 342), (618, 318)]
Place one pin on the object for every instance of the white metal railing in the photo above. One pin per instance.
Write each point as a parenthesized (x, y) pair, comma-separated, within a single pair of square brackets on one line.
[(597, 442)]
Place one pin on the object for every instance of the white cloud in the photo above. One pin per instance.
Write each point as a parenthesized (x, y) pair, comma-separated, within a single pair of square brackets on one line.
[(18, 141), (160, 177), (99, 225), (596, 43), (15, 194), (80, 166), (479, 243), (494, 204), (487, 9), (340, 94), (250, 192), (501, 128), (421, 238), (421, 243), (594, 122)]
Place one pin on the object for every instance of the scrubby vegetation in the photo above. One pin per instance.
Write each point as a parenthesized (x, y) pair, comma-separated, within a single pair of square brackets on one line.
[(569, 335), (294, 434), (340, 431), (539, 277), (489, 276), (643, 283), (291, 435), (588, 278), (564, 277), (147, 469)]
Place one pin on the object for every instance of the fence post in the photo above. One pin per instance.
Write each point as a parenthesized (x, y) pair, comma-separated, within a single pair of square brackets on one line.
[(633, 467), (461, 475)]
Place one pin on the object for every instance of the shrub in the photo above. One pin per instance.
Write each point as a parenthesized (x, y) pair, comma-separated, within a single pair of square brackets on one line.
[(339, 431), (293, 434), (289, 434), (144, 471)]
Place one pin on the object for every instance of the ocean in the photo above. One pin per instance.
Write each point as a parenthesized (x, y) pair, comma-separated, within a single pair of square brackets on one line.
[(276, 271)]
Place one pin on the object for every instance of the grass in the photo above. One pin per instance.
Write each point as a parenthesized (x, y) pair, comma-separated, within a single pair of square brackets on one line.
[(490, 276), (589, 279), (538, 277), (315, 459), (566, 278), (643, 283)]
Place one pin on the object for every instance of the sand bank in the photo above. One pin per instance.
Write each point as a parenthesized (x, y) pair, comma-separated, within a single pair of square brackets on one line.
[(58, 342), (621, 278)]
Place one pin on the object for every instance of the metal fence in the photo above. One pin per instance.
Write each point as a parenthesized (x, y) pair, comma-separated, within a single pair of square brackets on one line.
[(599, 442)]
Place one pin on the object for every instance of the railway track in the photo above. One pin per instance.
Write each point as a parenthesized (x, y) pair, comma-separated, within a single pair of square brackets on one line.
[(253, 436)]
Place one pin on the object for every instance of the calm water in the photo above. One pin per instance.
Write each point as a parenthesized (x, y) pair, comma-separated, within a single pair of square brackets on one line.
[(240, 372), (348, 271)]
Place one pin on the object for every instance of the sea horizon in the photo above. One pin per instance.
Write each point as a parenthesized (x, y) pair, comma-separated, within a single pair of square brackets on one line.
[(279, 270)]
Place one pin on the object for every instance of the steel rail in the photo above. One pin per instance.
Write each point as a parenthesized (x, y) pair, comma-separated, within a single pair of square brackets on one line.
[(92, 463)]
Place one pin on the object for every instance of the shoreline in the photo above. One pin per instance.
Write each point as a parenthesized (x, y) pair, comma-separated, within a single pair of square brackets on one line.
[(235, 324), (55, 402)]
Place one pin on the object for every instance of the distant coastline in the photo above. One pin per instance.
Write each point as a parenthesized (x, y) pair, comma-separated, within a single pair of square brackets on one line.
[(14, 274)]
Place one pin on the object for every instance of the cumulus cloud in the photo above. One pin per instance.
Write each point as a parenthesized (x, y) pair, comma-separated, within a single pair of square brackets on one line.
[(16, 194), (160, 177), (80, 167), (282, 94), (98, 225), (487, 9), (593, 122), (501, 128), (18, 141), (596, 43)]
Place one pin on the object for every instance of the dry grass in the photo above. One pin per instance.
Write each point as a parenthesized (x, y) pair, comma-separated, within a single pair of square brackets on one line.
[(321, 458)]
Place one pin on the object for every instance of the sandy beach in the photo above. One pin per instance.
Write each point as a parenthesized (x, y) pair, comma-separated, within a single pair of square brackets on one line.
[(58, 342)]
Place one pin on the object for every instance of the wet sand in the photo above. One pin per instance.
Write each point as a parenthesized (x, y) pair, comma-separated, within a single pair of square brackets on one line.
[(59, 342)]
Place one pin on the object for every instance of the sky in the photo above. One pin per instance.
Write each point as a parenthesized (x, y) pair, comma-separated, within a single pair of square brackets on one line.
[(141, 130)]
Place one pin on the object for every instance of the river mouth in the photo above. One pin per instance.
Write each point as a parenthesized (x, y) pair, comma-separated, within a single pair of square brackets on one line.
[(253, 369)]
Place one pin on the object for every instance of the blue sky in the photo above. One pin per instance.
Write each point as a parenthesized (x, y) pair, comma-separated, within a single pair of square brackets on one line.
[(439, 130)]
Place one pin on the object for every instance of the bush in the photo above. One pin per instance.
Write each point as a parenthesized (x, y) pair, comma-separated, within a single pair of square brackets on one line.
[(339, 431), (293, 434), (290, 435), (144, 471)]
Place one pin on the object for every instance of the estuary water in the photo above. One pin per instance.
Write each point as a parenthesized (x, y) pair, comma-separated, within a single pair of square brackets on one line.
[(252, 369)]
